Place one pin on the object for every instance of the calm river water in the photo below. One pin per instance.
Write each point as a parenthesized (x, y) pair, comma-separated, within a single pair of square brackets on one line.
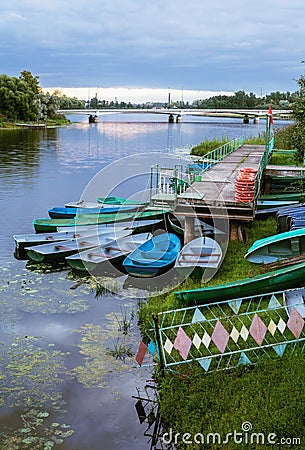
[(57, 371)]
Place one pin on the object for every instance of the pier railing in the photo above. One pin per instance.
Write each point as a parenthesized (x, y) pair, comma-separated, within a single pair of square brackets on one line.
[(264, 161), (218, 154)]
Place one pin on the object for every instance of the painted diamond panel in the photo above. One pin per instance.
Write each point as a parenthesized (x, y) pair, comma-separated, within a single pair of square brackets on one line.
[(295, 323), (168, 346), (281, 325), (141, 353), (258, 329), (197, 341), (182, 343), (244, 333), (234, 334), (272, 327), (206, 339), (220, 336)]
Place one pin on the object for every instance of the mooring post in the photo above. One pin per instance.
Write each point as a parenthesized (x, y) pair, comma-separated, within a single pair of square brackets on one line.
[(157, 333), (234, 230), (189, 231)]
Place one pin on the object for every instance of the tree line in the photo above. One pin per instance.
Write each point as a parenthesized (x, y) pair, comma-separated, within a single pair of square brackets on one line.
[(22, 98)]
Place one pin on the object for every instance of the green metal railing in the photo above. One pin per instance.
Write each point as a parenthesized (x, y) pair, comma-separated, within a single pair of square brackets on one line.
[(264, 161), (218, 154)]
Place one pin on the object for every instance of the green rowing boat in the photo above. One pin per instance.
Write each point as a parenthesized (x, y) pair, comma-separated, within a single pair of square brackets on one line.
[(278, 280), (50, 225)]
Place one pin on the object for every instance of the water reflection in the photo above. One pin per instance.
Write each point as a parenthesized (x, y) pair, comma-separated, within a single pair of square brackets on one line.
[(58, 344)]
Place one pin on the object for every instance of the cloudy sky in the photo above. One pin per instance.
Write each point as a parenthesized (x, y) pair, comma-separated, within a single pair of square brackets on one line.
[(212, 45)]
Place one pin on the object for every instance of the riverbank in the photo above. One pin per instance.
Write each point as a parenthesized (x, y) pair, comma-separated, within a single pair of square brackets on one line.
[(35, 125), (197, 403), (192, 401)]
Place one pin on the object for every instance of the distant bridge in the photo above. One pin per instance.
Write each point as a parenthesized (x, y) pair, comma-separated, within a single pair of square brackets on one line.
[(176, 114)]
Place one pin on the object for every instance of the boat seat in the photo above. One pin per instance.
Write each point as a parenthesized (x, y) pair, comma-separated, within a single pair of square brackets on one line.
[(156, 255)]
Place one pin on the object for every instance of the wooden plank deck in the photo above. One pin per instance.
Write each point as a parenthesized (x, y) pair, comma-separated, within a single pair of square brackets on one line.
[(215, 193)]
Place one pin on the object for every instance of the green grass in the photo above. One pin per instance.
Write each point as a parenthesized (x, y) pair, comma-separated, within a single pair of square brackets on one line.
[(269, 395), (233, 267), (192, 401)]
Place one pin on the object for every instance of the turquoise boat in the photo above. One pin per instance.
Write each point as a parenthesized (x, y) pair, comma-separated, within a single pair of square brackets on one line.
[(59, 212), (114, 200), (50, 225), (154, 257), (265, 204), (291, 196), (277, 280), (277, 247)]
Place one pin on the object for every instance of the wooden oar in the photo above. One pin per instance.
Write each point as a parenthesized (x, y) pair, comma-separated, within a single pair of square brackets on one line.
[(123, 250), (201, 254), (61, 247)]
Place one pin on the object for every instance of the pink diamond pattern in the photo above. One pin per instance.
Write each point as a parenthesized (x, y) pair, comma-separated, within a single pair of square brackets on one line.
[(258, 329), (220, 336), (295, 323), (182, 343)]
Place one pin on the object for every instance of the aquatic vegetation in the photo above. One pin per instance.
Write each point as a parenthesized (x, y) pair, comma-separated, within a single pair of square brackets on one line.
[(125, 322), (30, 374), (34, 434), (29, 379), (45, 293), (105, 349)]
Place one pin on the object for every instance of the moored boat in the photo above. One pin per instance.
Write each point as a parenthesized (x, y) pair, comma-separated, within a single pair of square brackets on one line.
[(200, 257), (57, 252), (291, 196), (264, 203), (277, 247), (70, 213), (277, 280), (200, 228), (105, 258), (45, 225), (154, 257), (114, 200)]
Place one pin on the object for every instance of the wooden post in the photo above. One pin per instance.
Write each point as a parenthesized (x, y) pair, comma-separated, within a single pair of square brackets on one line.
[(189, 231), (234, 230), (267, 184), (158, 340)]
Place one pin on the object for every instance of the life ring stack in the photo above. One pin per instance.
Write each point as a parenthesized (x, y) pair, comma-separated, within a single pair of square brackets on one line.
[(245, 185)]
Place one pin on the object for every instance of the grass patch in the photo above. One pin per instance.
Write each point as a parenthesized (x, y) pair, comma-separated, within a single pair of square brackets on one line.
[(194, 402), (207, 146)]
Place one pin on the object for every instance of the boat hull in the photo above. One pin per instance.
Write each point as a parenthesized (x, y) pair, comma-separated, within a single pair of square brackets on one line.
[(278, 280), (51, 225), (277, 247), (154, 257)]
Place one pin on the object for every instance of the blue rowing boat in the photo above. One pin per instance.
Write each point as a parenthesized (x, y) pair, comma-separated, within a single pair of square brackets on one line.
[(70, 213), (154, 257)]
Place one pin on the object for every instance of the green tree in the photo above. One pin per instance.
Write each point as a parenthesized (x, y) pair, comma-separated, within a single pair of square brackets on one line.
[(298, 111)]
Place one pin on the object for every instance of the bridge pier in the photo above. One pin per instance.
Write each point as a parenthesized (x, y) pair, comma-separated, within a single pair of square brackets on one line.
[(246, 118), (171, 118), (93, 118), (256, 119), (178, 118)]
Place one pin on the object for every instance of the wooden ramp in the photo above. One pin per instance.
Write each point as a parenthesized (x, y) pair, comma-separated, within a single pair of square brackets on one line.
[(214, 195)]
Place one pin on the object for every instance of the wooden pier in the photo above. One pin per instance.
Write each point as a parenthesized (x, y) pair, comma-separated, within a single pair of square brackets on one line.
[(214, 195)]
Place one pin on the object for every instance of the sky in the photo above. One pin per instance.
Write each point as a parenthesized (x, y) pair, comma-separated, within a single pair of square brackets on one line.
[(215, 46)]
